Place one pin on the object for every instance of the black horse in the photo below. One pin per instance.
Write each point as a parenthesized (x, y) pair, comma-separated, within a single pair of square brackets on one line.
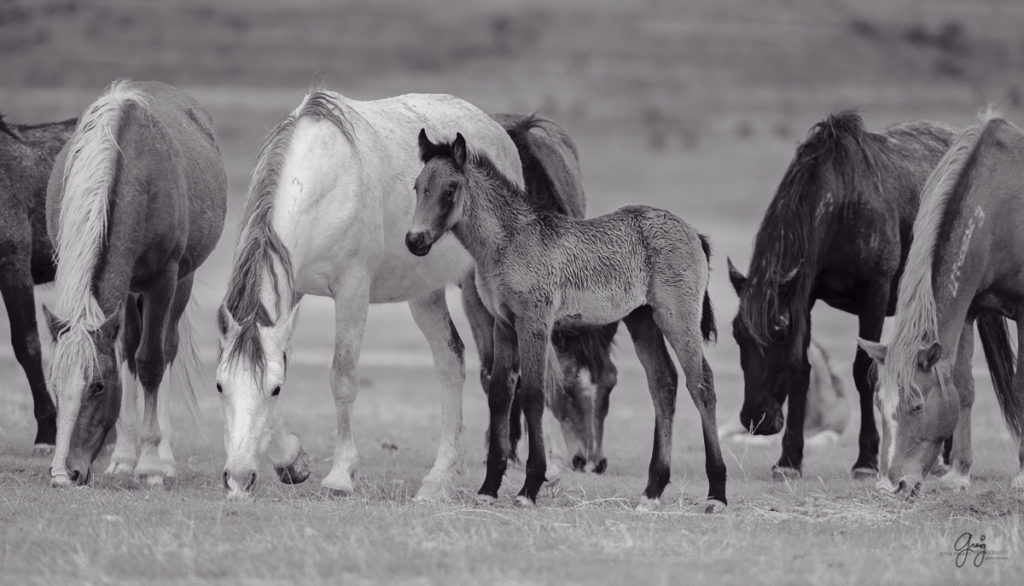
[(26, 253), (838, 230)]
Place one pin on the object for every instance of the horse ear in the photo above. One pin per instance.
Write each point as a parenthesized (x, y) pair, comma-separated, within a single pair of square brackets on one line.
[(739, 281), (53, 323), (292, 316), (875, 350), (112, 326), (459, 150), (225, 321), (928, 356), (427, 148)]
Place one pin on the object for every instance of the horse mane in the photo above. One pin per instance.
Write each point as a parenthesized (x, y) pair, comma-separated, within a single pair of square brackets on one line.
[(550, 163), (4, 128), (916, 313), (88, 177), (259, 245), (787, 239)]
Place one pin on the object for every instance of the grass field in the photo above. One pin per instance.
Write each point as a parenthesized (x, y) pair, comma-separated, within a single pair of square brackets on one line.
[(694, 107)]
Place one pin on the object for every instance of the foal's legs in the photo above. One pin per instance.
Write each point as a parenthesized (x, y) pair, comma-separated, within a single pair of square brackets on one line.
[(351, 304), (533, 340), (871, 319), (431, 315), (499, 400), (681, 325), (959, 474), (16, 287), (662, 381), (1018, 389), (151, 361)]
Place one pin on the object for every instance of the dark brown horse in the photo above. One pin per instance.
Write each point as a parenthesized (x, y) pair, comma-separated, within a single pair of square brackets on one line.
[(838, 230), (26, 253), (135, 205), (554, 183)]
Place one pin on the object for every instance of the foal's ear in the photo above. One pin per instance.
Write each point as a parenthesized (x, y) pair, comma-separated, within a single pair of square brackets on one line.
[(54, 323), (427, 148), (738, 280), (459, 150), (928, 356), (875, 350), (112, 326)]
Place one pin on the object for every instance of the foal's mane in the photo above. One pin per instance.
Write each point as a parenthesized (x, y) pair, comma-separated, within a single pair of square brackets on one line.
[(916, 322), (801, 210), (4, 128), (259, 245)]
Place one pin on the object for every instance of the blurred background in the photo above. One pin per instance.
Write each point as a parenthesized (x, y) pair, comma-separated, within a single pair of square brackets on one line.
[(695, 106)]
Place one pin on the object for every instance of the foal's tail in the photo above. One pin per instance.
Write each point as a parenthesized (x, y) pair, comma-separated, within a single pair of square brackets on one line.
[(708, 328), (184, 373), (995, 341)]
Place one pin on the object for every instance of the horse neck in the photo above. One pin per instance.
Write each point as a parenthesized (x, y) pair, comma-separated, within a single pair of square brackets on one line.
[(960, 269), (493, 213)]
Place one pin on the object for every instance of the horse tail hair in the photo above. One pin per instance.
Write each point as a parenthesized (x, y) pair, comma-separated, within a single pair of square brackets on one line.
[(995, 342), (708, 328), (553, 387), (186, 369), (551, 165)]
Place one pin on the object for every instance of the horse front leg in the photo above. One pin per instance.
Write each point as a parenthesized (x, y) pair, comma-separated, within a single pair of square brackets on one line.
[(1017, 402), (499, 401), (351, 304), (871, 320), (125, 454), (958, 476), (151, 361), (790, 464), (430, 313), (533, 340)]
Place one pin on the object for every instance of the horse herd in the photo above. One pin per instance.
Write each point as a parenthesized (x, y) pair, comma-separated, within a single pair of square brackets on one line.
[(352, 200)]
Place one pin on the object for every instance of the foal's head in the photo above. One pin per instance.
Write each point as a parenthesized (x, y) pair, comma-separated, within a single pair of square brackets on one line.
[(85, 378), (440, 192), (916, 417)]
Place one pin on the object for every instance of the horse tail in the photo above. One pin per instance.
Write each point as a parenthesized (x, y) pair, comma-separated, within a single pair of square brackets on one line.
[(995, 342), (184, 374), (551, 166), (708, 328)]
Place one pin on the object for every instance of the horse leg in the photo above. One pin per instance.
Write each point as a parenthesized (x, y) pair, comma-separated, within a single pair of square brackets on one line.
[(19, 298), (499, 401), (790, 464), (871, 319), (1018, 389), (351, 304), (662, 382), (151, 361), (958, 476), (430, 313), (533, 340), (681, 326), (124, 456)]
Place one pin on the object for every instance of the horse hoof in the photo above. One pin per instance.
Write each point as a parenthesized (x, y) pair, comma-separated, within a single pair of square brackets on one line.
[(61, 481), (601, 466), (297, 472), (864, 473), (714, 506), (153, 481), (116, 468), (524, 502), (486, 500), (884, 485), (786, 473), (648, 504), (432, 491), (956, 481), (42, 450), (339, 491), (237, 495)]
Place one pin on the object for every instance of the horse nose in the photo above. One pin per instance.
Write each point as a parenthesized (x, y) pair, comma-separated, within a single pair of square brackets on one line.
[(239, 480), (79, 475), (416, 242)]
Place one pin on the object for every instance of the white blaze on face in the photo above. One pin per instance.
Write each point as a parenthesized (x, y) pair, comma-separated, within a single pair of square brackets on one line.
[(69, 401)]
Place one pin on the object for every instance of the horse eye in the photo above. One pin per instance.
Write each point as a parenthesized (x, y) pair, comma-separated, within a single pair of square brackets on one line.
[(276, 391), (220, 389), (97, 388), (449, 194), (916, 409)]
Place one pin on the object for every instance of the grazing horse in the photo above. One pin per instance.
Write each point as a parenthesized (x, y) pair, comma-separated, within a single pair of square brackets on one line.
[(537, 270), (966, 264), (135, 205), (838, 230), (329, 201), (553, 182), (26, 253)]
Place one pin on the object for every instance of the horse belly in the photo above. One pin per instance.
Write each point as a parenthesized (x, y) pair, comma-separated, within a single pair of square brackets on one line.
[(597, 307)]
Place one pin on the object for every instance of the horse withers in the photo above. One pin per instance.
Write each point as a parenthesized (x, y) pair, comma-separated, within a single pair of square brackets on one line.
[(837, 230), (134, 206), (965, 265), (27, 153), (329, 202), (537, 270)]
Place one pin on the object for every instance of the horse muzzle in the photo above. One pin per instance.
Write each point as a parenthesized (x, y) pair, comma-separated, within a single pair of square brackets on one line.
[(418, 243), (768, 421)]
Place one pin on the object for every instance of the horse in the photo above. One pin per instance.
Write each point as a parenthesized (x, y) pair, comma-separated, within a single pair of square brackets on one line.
[(551, 170), (838, 231), (965, 265), (328, 203), (827, 411), (27, 153), (134, 206), (537, 270)]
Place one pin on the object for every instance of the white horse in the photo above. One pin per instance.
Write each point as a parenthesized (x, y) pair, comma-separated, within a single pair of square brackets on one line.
[(330, 201)]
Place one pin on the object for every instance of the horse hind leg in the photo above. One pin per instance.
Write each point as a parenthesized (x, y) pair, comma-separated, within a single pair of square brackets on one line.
[(125, 456), (430, 313), (19, 298), (680, 323)]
